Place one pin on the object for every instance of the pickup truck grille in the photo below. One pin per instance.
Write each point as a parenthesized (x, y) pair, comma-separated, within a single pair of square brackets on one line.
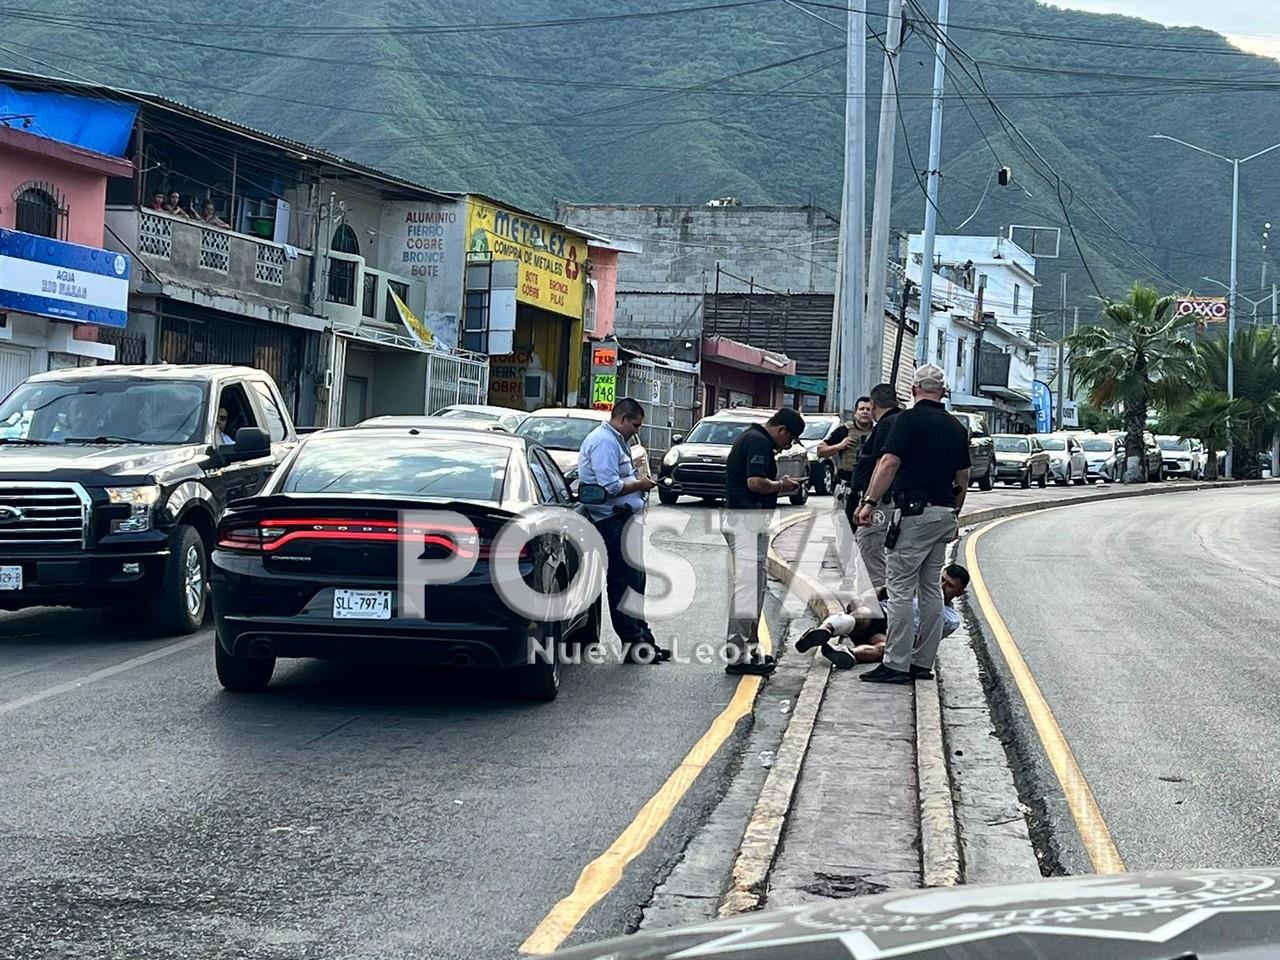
[(42, 516)]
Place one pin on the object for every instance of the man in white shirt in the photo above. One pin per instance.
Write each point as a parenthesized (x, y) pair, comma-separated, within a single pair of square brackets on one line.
[(863, 630)]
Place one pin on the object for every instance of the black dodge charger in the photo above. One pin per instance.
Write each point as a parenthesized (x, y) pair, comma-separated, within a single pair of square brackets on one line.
[(324, 561)]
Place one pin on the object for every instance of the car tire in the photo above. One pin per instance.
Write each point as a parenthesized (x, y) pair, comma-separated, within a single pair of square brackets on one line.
[(1043, 481), (1060, 481), (242, 674), (539, 682), (667, 497), (988, 481), (589, 633), (1025, 481), (827, 482), (179, 608), (1080, 480), (801, 496)]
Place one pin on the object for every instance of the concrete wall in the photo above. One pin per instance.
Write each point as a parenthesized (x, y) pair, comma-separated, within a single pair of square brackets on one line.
[(604, 276), (788, 249), (658, 316), (1009, 270), (82, 192)]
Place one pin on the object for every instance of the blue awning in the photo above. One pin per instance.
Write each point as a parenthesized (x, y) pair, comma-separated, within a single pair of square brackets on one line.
[(102, 126)]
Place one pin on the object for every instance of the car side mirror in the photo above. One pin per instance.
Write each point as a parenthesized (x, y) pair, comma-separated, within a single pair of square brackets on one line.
[(251, 443), (677, 438)]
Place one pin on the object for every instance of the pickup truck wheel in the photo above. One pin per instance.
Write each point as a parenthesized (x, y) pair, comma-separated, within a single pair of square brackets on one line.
[(242, 674), (180, 606), (988, 481), (667, 496)]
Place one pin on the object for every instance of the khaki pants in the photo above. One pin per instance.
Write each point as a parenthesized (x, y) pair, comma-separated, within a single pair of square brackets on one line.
[(913, 568), (746, 592), (870, 540)]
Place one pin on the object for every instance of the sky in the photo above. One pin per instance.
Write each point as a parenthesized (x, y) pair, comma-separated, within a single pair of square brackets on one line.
[(1252, 25)]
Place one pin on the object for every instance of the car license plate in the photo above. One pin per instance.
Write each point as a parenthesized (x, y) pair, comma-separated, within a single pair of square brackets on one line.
[(10, 578), (362, 604)]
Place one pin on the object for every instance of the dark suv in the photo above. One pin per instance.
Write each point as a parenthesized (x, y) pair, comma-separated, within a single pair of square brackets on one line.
[(112, 481), (982, 453)]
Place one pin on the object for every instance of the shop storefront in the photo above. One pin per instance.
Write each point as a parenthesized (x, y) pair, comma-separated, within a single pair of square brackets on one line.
[(533, 332), (53, 297)]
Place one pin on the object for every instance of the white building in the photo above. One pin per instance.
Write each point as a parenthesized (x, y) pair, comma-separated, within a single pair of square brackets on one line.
[(980, 324)]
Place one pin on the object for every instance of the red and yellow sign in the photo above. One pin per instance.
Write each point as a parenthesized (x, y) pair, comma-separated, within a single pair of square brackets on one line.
[(552, 272)]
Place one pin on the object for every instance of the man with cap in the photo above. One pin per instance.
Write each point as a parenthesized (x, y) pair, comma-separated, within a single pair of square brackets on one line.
[(925, 463), (751, 489)]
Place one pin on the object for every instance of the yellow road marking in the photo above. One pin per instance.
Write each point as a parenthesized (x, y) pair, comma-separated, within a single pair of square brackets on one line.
[(1080, 800), (603, 873)]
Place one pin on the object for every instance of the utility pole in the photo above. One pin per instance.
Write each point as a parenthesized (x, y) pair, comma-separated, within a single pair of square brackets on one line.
[(1062, 343), (883, 198), (850, 304), (1075, 328), (933, 184), (1231, 304)]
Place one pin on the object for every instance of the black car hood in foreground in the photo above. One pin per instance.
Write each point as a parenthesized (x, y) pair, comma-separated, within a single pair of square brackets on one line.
[(1202, 914), (90, 463)]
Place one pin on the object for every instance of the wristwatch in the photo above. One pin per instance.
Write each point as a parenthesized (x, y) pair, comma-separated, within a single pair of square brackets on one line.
[(866, 502)]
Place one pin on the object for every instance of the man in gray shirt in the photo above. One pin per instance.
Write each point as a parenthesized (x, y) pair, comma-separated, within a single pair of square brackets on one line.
[(604, 460)]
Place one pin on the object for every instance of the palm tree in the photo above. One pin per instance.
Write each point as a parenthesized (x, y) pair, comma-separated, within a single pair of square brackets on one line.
[(1137, 355), (1206, 417), (1257, 389)]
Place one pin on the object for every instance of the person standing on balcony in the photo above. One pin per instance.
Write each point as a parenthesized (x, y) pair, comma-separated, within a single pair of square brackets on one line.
[(173, 205), (209, 215), (157, 200)]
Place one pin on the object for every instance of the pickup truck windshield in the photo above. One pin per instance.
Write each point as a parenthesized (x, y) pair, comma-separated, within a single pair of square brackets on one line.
[(122, 410)]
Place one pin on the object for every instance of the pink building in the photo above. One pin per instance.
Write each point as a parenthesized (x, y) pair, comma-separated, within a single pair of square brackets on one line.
[(57, 190)]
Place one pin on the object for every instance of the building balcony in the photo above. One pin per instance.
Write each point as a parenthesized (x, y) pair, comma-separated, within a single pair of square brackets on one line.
[(357, 295), (176, 251)]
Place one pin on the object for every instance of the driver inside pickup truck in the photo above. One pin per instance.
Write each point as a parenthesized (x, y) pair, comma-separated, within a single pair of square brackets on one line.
[(224, 438)]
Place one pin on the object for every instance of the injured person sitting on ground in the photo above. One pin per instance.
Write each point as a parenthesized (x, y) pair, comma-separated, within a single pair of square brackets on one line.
[(858, 636)]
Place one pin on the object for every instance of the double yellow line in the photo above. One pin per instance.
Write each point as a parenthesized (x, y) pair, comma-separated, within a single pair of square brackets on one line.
[(603, 873), (1079, 796)]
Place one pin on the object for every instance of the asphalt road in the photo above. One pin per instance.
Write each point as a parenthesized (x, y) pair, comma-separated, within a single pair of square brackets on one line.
[(1149, 626), (347, 812)]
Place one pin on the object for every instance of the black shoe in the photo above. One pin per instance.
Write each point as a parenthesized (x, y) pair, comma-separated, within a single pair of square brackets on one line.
[(639, 651), (840, 658), (757, 666), (660, 654), (812, 638), (883, 674), (920, 673)]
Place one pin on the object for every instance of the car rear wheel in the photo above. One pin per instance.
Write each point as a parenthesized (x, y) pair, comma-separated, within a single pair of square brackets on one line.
[(1080, 480), (1060, 481), (180, 606), (242, 674), (539, 681), (988, 481), (668, 496), (826, 484)]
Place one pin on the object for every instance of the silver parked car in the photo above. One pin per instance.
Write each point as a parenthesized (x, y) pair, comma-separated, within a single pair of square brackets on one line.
[(1105, 457), (1181, 458), (1067, 462), (1020, 459)]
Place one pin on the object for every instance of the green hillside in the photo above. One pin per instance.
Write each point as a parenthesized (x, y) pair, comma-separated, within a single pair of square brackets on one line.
[(745, 100)]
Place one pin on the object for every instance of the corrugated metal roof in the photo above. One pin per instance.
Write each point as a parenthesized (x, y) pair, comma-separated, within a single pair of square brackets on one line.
[(308, 152)]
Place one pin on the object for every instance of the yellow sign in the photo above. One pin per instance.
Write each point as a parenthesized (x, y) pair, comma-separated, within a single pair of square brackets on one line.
[(417, 329), (552, 272), (604, 391)]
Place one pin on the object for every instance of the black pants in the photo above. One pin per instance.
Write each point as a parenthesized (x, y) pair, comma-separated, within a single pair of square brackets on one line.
[(620, 576)]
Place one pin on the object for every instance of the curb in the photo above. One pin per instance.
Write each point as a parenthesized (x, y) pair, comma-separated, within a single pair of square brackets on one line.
[(939, 837), (1138, 490), (763, 833)]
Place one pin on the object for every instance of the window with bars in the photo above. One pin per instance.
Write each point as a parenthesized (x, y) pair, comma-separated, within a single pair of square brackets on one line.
[(155, 235), (37, 211), (475, 321)]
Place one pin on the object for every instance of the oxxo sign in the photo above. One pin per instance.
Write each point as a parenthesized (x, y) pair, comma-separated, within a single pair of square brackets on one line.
[(551, 261)]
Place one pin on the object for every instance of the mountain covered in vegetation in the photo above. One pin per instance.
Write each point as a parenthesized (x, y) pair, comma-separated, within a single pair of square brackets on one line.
[(681, 100)]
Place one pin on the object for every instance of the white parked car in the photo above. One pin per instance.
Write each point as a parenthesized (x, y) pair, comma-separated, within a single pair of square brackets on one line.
[(1067, 460), (562, 429), (1180, 457), (1104, 456), (506, 417)]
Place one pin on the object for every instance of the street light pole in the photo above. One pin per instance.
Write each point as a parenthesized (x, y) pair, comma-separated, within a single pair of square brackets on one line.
[(932, 184), (1231, 290)]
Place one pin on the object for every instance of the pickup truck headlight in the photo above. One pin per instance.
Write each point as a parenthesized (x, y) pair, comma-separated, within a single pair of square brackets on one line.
[(140, 500), (671, 458)]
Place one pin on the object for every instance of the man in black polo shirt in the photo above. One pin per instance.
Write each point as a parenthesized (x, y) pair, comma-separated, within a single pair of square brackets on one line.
[(926, 462), (751, 489), (870, 537)]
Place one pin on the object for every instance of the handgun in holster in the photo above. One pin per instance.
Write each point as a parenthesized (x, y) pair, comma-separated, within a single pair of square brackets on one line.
[(894, 528)]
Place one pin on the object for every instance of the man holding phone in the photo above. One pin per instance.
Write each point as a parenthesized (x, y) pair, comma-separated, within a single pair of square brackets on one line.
[(751, 489)]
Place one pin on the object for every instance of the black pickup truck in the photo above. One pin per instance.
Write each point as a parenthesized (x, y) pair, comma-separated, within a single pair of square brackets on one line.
[(113, 479)]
